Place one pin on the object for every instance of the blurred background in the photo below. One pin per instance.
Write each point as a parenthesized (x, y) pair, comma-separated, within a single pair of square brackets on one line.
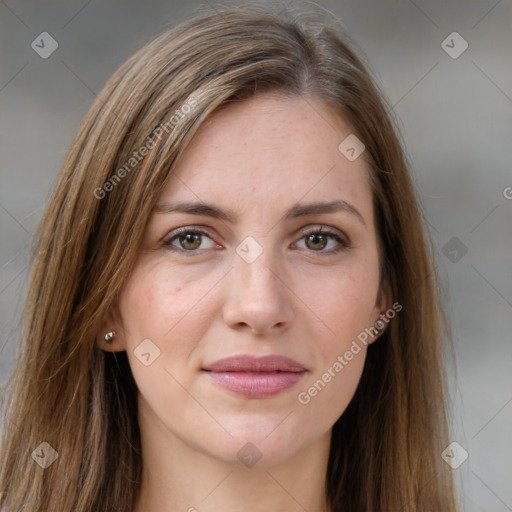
[(445, 67)]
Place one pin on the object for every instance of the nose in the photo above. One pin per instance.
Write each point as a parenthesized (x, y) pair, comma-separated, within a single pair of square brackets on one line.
[(259, 301)]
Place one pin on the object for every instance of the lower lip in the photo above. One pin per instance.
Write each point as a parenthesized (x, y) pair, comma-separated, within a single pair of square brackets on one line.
[(256, 385)]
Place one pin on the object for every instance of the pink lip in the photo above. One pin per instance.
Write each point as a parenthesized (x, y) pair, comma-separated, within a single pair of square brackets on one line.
[(256, 377)]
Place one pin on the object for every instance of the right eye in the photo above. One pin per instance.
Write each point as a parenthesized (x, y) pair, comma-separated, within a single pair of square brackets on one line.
[(187, 240)]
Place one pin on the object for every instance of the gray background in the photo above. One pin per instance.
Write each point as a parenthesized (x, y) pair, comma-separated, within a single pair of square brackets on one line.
[(455, 115)]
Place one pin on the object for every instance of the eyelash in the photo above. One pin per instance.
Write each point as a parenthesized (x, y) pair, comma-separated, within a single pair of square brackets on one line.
[(343, 242), (167, 240)]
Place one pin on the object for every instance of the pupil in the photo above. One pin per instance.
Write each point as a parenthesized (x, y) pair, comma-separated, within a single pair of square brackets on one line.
[(193, 240), (318, 241)]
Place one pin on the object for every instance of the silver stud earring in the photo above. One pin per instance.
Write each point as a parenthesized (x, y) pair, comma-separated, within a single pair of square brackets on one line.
[(110, 336), (379, 325)]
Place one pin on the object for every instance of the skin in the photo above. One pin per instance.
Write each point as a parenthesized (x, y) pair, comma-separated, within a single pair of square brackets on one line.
[(298, 298)]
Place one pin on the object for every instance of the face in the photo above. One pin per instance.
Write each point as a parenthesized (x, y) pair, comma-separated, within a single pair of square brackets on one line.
[(246, 298)]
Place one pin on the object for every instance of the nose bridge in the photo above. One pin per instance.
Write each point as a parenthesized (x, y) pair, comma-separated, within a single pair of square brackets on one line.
[(259, 272), (258, 297)]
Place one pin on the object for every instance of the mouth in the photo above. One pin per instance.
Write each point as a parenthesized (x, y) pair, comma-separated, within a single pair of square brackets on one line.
[(256, 377)]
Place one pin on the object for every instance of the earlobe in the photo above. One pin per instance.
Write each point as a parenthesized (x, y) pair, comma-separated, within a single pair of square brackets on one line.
[(384, 297), (110, 335), (380, 318), (376, 330), (110, 341)]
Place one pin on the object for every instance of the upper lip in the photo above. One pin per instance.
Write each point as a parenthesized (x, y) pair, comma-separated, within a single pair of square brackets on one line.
[(249, 363)]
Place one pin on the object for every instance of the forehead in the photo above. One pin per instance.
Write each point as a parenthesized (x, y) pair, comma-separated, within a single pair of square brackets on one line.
[(268, 150)]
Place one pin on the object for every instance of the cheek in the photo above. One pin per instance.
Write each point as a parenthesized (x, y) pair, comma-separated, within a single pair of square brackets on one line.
[(172, 309), (344, 301), (159, 301), (330, 389)]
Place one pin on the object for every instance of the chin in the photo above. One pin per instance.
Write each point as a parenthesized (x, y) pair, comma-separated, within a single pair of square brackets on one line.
[(257, 441)]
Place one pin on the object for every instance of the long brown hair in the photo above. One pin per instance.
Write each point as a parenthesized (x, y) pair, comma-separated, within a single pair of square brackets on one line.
[(65, 391)]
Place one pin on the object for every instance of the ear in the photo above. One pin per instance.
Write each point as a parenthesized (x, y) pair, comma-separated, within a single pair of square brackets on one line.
[(383, 304), (111, 324)]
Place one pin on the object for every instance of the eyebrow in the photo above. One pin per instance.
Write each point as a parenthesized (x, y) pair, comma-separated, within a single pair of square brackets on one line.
[(226, 214)]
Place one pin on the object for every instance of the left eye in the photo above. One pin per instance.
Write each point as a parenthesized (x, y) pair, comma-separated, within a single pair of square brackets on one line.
[(188, 240), (322, 241)]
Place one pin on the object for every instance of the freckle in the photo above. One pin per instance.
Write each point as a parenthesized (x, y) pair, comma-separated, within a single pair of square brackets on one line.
[(178, 289)]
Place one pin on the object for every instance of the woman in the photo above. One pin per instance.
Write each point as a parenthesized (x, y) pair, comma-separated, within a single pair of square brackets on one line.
[(236, 307)]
